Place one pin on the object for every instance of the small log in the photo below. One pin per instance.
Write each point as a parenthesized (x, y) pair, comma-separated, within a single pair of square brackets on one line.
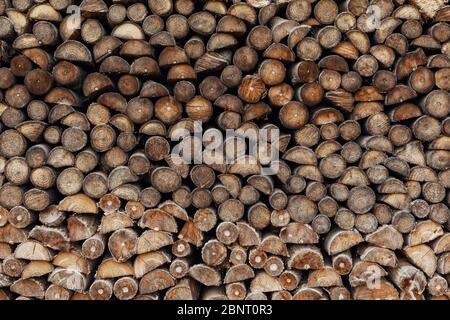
[(101, 289), (69, 279), (125, 288)]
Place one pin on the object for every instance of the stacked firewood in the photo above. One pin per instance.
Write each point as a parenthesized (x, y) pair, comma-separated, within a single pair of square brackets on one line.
[(95, 205)]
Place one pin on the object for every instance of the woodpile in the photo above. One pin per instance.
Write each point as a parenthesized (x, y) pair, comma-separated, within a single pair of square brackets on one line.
[(94, 94)]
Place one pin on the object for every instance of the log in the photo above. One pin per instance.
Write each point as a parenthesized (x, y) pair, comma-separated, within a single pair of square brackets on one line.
[(101, 289)]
